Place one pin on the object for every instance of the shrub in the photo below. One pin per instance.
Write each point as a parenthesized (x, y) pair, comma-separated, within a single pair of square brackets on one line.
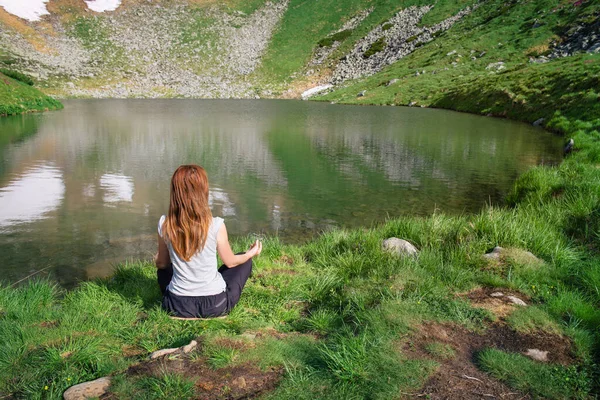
[(17, 75), (376, 47), (336, 37)]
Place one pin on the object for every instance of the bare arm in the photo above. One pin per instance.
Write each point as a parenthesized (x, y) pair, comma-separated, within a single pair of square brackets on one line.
[(162, 258), (224, 249)]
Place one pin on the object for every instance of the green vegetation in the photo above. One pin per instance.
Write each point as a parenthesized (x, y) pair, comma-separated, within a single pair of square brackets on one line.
[(332, 313), (375, 47), (305, 23), (336, 37), (540, 380), (17, 75), (17, 97), (93, 33)]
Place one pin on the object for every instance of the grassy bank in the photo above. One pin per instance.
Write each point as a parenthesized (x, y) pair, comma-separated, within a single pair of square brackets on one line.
[(335, 318), (18, 97)]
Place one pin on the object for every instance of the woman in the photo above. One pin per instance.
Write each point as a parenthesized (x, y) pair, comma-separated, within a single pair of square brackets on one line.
[(189, 238)]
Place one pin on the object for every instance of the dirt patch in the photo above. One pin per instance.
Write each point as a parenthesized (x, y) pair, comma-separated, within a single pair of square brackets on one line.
[(285, 259), (501, 306), (232, 382), (233, 344), (458, 377)]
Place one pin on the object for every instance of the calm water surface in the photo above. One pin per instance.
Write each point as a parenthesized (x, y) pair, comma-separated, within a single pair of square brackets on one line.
[(82, 189)]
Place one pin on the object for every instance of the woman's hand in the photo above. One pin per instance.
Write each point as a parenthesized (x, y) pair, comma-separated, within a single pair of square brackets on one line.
[(255, 249)]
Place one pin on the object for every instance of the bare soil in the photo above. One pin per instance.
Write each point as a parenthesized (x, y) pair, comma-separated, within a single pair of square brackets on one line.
[(458, 376), (245, 381)]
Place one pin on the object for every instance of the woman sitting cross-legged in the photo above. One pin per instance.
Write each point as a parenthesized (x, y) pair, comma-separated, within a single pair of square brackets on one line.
[(189, 238)]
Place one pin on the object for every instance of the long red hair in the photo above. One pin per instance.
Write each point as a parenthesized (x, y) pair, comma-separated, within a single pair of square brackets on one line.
[(189, 217)]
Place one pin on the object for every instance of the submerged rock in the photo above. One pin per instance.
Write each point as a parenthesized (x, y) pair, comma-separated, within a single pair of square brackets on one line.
[(399, 247), (539, 122), (88, 390)]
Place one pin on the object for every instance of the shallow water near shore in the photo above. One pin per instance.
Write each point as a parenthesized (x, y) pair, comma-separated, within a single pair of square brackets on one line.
[(82, 189)]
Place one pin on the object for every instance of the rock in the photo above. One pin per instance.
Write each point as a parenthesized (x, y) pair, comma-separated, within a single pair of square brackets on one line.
[(498, 66), (453, 52), (412, 104), (399, 247), (361, 94), (494, 254), (163, 352), (516, 300), (497, 294), (88, 390), (538, 355), (240, 382), (312, 91), (539, 122), (569, 146), (189, 347), (390, 83)]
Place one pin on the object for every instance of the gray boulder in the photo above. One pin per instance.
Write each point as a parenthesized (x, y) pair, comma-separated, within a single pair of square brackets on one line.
[(88, 390), (399, 247)]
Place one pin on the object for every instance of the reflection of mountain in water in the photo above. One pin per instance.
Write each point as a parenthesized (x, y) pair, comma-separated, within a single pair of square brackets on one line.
[(101, 170)]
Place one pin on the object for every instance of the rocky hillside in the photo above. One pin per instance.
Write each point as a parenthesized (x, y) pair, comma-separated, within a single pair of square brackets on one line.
[(259, 48)]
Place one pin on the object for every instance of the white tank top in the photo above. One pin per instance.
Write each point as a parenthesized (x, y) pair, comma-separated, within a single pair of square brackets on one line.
[(199, 276)]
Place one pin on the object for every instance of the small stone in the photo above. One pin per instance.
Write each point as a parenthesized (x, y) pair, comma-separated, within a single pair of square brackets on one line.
[(240, 382), (361, 94), (497, 66), (391, 82), (163, 352), (189, 347), (497, 294), (399, 247), (538, 355), (516, 300), (412, 104), (88, 390), (494, 254)]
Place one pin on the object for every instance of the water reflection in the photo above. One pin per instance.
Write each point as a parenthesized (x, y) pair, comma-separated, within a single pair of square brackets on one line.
[(95, 177), (117, 188), (31, 196)]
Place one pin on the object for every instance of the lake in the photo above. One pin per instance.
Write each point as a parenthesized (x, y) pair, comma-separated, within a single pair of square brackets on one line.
[(83, 188)]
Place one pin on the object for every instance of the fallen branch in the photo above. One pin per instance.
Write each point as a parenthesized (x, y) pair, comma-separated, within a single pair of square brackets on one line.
[(471, 378)]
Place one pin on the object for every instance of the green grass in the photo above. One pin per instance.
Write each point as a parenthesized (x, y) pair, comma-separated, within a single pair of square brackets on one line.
[(17, 97), (537, 379), (17, 76), (376, 47), (347, 304)]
